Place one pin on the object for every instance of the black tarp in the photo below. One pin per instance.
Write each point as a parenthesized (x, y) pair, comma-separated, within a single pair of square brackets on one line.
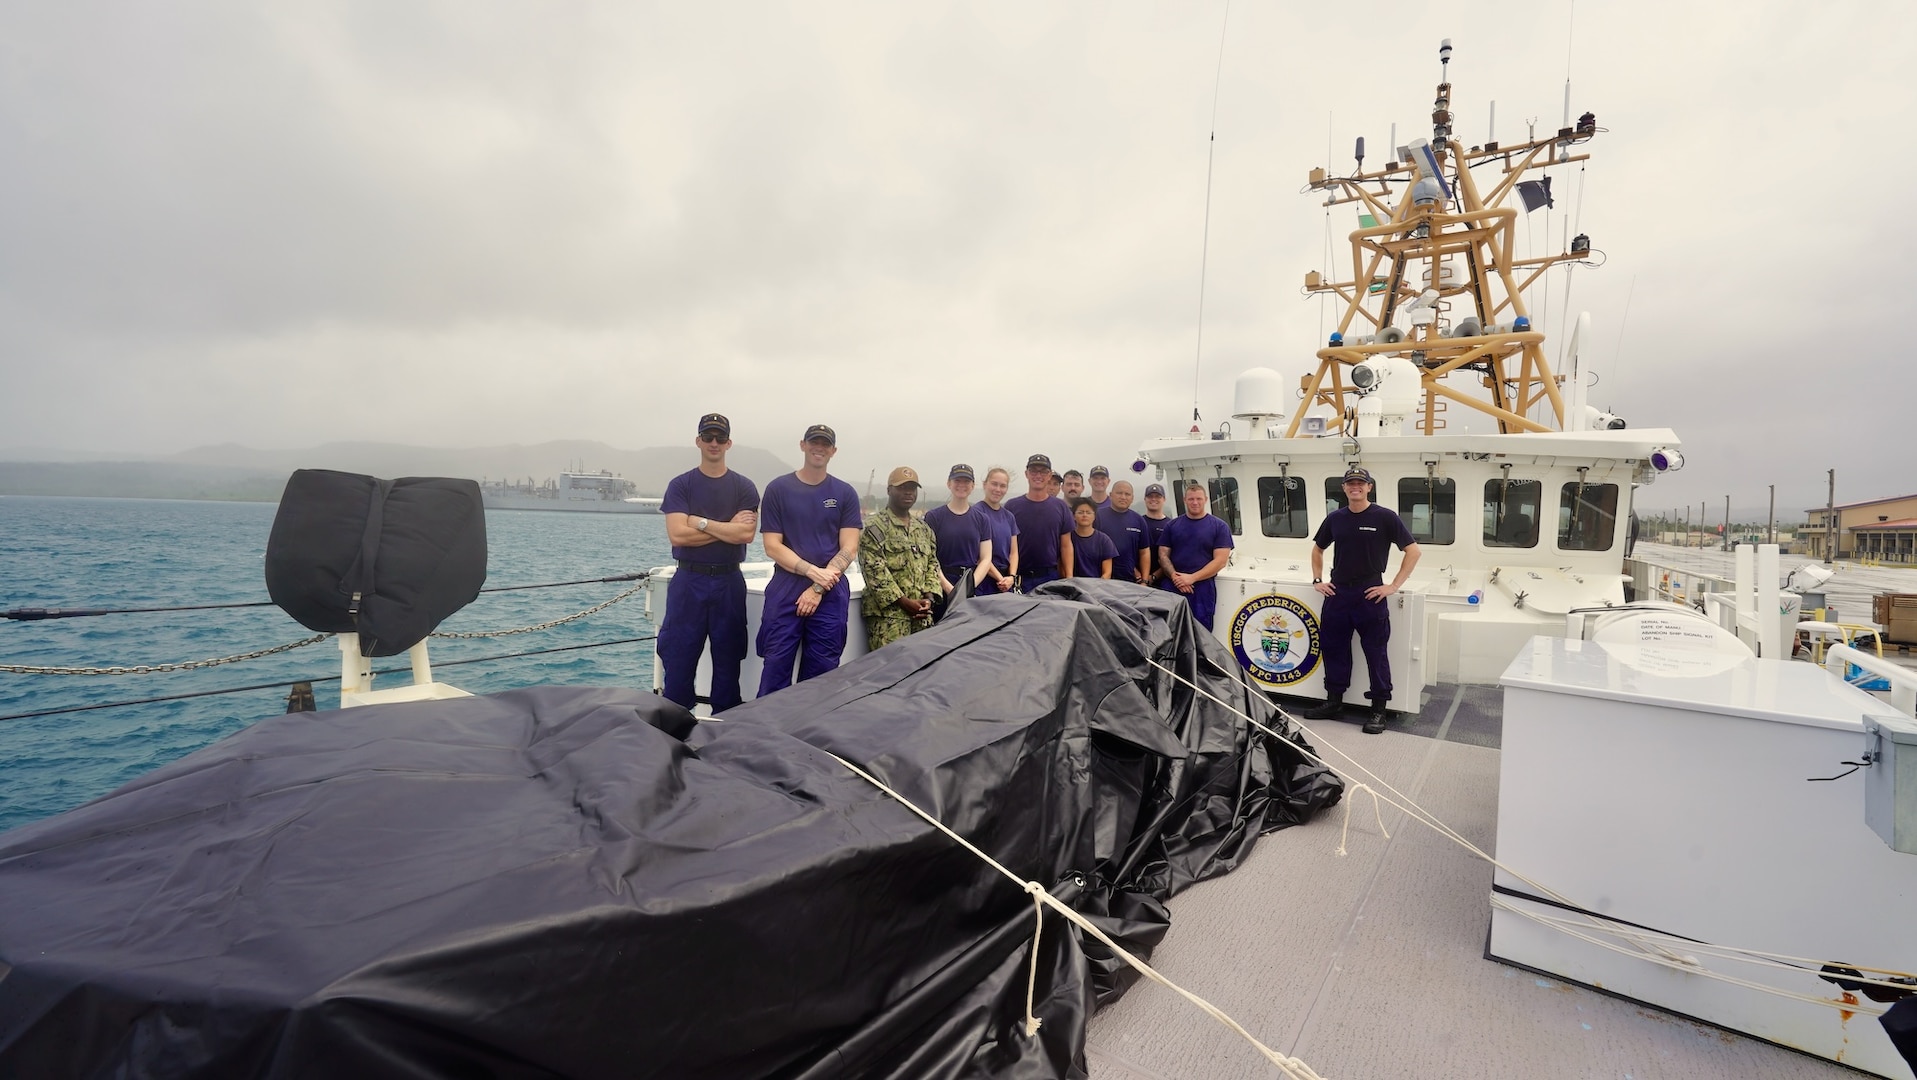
[(387, 559), (584, 882)]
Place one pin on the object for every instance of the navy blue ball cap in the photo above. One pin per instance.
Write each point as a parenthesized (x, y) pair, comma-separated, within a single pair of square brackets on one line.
[(1154, 489), (960, 472), (713, 423), (1039, 461), (1358, 473), (820, 431)]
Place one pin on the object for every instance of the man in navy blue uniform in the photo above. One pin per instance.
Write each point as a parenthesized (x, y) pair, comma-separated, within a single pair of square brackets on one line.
[(1126, 527), (711, 513), (1101, 496), (1044, 528), (811, 524), (1364, 533), (1192, 549), (1155, 522)]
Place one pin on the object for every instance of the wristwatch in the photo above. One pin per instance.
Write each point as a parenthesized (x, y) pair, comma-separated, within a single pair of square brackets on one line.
[(1317, 581), (703, 522)]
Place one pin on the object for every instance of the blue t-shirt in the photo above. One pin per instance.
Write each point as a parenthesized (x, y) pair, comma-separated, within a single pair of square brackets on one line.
[(1154, 533), (1192, 541), (1363, 543), (719, 498), (1127, 530), (1001, 526), (1090, 552), (959, 536), (809, 516), (1040, 524)]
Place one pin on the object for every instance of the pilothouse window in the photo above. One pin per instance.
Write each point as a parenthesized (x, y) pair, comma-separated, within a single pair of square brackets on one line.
[(1224, 502), (1429, 507), (1511, 513), (1587, 517), (1281, 506)]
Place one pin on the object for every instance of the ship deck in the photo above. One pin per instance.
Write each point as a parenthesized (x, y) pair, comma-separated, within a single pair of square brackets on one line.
[(1372, 965)]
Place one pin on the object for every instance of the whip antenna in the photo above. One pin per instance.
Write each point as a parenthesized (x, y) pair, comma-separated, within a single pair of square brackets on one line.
[(1204, 251)]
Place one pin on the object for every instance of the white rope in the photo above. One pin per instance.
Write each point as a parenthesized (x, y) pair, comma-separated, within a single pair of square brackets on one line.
[(1292, 1067), (1377, 809), (1646, 941)]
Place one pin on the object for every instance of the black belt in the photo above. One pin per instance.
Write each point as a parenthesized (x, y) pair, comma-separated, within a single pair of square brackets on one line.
[(710, 569)]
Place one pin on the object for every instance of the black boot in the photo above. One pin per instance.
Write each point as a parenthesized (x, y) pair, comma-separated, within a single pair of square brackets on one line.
[(1375, 720), (1332, 709)]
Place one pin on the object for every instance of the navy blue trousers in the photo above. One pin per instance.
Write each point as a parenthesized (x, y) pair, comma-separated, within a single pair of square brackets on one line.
[(1203, 601), (1346, 611), (1032, 579), (701, 608), (815, 642)]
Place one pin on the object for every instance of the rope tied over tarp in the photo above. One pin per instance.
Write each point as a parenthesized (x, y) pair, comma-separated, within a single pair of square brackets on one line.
[(1292, 1067)]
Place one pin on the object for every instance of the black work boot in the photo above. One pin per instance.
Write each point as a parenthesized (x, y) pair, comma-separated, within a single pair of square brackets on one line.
[(1332, 709), (1375, 720)]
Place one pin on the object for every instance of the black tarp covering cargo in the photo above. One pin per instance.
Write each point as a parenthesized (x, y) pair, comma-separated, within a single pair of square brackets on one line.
[(586, 882), (387, 559)]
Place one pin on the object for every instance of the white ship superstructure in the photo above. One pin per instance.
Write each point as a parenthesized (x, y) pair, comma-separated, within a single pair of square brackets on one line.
[(1521, 519)]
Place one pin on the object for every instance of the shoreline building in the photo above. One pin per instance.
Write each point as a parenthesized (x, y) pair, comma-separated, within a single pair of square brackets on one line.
[(1878, 529)]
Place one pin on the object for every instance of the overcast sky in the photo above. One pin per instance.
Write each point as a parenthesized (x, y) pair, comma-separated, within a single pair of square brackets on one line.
[(953, 231)]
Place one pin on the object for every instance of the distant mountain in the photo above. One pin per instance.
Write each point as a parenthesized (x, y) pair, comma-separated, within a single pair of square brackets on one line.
[(238, 472)]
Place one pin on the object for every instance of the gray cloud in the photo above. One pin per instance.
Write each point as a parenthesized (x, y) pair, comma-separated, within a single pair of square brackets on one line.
[(956, 232)]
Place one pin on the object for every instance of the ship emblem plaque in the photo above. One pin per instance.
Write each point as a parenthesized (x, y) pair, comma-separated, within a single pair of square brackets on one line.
[(1276, 640)]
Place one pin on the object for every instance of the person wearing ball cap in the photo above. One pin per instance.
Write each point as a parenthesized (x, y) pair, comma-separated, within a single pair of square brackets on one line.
[(1101, 481), (1044, 528), (899, 556), (810, 522), (711, 514), (964, 535), (1364, 534)]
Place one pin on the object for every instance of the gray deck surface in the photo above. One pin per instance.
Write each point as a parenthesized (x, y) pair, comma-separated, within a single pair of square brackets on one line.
[(1371, 965)]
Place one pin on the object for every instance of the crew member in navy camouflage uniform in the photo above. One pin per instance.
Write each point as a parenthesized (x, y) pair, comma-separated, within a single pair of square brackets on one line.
[(711, 514), (1192, 549), (810, 521), (1355, 596)]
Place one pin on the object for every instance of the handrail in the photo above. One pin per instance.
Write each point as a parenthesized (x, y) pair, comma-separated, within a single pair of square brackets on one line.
[(1903, 681)]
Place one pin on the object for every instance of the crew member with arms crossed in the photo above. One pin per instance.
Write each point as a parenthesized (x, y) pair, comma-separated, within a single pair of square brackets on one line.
[(1364, 533), (810, 522), (711, 514), (1044, 528), (899, 556), (1192, 549)]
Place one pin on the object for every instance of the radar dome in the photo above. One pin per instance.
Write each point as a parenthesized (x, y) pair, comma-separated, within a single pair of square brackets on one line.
[(1259, 396)]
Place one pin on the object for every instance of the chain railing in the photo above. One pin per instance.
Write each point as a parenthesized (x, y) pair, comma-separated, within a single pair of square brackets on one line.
[(155, 669), (195, 665)]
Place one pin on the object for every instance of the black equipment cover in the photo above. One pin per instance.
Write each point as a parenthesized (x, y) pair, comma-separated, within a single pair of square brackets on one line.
[(413, 549), (589, 883)]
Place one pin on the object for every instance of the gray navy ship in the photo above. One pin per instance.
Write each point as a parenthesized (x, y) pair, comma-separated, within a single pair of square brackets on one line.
[(601, 492)]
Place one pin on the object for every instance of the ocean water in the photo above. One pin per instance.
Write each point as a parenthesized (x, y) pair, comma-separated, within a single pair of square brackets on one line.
[(115, 553)]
